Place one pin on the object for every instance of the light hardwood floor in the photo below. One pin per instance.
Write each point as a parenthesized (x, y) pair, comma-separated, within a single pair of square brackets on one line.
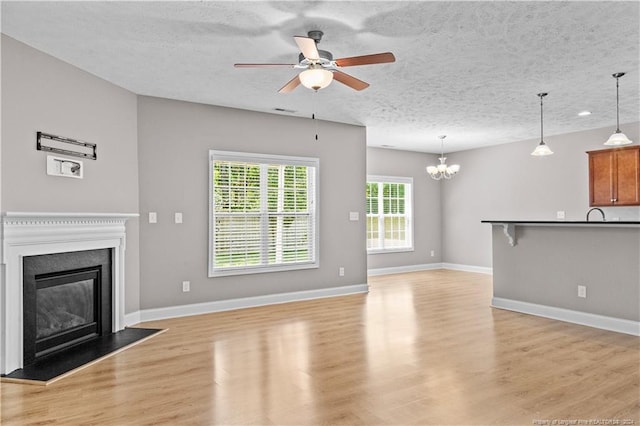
[(420, 348)]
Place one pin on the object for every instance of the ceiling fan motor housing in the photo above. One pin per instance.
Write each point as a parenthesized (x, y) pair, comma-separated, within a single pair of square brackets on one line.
[(325, 57), (315, 35)]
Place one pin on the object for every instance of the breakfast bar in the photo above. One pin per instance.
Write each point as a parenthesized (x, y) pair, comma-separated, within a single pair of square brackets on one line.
[(576, 271)]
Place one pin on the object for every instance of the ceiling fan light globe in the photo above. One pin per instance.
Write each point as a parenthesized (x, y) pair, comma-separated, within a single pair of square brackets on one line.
[(316, 78), (618, 139)]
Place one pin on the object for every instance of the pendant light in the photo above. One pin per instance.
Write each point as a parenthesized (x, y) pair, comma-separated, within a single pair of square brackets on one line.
[(442, 171), (618, 138), (542, 149)]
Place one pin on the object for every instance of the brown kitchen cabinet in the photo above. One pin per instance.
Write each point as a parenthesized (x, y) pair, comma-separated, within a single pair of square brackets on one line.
[(614, 177)]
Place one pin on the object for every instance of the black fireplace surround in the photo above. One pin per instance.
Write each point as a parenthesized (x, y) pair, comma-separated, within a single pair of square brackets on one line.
[(67, 300)]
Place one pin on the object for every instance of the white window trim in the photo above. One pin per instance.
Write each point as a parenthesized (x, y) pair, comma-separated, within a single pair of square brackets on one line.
[(216, 155), (396, 179)]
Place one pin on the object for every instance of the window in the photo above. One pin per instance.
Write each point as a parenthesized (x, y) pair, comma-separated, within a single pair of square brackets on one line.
[(263, 213), (389, 214)]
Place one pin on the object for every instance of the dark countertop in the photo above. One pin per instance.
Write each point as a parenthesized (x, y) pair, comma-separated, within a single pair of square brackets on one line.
[(565, 222)]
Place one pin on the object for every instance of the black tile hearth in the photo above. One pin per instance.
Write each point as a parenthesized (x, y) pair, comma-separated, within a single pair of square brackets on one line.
[(50, 367)]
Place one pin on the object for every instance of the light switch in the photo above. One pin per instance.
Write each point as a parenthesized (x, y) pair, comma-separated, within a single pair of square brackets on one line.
[(354, 216), (560, 214), (178, 217), (153, 217)]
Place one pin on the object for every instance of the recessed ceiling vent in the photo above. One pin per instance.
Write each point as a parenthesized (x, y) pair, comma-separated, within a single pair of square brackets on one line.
[(289, 111)]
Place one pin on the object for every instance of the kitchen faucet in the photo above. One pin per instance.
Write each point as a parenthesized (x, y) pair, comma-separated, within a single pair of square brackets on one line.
[(595, 208)]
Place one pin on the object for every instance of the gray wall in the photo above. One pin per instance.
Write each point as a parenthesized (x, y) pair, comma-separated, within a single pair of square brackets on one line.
[(549, 262), (504, 182), (174, 140), (426, 205), (42, 93)]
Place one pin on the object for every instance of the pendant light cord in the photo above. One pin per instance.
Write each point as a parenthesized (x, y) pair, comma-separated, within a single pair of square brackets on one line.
[(313, 112), (541, 121), (542, 95), (617, 107), (442, 146)]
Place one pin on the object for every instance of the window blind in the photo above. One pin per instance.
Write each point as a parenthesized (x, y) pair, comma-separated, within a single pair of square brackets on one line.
[(389, 214), (263, 213)]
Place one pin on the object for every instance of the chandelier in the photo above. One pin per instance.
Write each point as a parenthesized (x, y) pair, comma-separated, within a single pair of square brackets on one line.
[(442, 171)]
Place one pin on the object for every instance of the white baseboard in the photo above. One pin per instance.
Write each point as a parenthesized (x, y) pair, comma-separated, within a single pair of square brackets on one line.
[(468, 268), (132, 318), (429, 267), (241, 303), (576, 317), (402, 269)]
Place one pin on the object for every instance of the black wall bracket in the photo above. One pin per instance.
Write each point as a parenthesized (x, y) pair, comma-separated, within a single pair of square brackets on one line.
[(60, 145)]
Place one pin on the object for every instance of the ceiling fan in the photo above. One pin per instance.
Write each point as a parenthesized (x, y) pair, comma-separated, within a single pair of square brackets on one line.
[(319, 67)]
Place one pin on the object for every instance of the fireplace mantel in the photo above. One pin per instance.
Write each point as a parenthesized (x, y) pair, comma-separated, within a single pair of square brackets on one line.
[(36, 233)]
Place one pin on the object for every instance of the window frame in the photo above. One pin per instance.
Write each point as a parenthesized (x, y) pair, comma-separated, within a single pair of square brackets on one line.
[(409, 214), (313, 204)]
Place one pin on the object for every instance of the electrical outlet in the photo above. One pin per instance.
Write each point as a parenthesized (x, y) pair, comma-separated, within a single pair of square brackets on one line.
[(57, 166), (153, 217), (186, 286), (178, 217), (433, 253), (560, 214), (341, 271), (582, 291)]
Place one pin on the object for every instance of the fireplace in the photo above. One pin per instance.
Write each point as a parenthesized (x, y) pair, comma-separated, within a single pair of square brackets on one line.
[(31, 235), (66, 301)]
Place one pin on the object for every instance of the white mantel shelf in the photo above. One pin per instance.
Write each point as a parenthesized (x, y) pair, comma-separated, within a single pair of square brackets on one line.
[(20, 228), (509, 226), (59, 215)]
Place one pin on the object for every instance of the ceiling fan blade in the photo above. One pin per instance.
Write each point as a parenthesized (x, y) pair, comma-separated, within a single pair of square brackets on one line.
[(307, 47), (292, 84), (264, 65), (378, 58), (350, 81)]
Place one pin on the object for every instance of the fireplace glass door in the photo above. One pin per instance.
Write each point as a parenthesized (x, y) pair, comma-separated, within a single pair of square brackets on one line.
[(66, 308)]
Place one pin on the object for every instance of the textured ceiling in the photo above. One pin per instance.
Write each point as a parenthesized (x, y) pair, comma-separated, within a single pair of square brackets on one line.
[(470, 70)]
